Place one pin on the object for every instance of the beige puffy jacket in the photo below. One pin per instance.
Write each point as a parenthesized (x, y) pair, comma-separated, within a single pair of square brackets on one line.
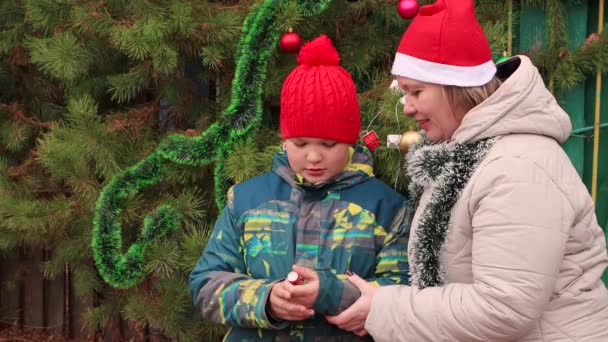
[(524, 254)]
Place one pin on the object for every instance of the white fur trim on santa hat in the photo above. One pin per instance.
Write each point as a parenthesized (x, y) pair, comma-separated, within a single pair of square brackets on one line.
[(430, 72)]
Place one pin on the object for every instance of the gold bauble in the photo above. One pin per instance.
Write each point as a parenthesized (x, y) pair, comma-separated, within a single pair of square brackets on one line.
[(408, 139)]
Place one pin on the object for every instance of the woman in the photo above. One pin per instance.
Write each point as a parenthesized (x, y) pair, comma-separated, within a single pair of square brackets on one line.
[(504, 242)]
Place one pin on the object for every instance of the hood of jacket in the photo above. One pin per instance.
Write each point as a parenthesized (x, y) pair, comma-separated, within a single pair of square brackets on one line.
[(521, 105), (359, 169)]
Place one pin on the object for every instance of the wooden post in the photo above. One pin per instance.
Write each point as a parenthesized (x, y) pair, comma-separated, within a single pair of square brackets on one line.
[(45, 293), (21, 290), (99, 335), (596, 121), (67, 302), (151, 332)]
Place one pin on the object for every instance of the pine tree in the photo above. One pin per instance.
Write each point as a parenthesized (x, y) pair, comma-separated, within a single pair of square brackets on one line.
[(91, 88)]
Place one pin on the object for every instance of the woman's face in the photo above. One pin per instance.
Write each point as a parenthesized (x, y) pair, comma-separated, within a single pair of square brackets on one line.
[(427, 104)]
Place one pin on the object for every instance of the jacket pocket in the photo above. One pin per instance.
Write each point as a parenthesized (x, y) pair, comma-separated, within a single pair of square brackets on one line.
[(568, 279), (267, 243)]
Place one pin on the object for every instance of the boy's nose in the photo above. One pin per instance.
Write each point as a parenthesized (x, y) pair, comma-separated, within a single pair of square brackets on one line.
[(313, 156)]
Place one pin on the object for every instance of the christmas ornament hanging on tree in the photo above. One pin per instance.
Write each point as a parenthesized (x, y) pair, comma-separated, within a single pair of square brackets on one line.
[(290, 42), (408, 9), (371, 140), (403, 142), (408, 139)]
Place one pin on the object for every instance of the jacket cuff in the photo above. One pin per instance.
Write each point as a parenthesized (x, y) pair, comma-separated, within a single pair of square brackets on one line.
[(350, 294), (330, 293), (383, 299)]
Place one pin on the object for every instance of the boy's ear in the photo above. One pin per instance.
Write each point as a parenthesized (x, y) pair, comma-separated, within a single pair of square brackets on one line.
[(283, 147)]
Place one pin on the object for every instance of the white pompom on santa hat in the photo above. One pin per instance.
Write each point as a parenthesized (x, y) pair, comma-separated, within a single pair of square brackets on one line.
[(445, 45)]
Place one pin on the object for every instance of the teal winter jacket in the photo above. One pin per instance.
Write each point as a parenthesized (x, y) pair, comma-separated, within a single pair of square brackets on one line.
[(354, 222)]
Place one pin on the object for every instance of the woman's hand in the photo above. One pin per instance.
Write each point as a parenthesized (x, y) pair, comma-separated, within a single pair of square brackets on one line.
[(282, 307), (353, 318)]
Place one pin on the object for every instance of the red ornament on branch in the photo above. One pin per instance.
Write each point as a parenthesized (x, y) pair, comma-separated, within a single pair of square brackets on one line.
[(290, 42), (408, 9), (371, 140)]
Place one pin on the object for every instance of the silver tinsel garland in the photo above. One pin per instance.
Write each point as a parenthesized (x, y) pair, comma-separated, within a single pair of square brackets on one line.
[(444, 169)]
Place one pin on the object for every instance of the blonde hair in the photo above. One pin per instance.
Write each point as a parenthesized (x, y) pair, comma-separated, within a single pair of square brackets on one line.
[(463, 99)]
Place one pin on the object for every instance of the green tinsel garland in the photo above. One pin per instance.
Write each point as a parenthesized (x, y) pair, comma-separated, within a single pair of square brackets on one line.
[(241, 119)]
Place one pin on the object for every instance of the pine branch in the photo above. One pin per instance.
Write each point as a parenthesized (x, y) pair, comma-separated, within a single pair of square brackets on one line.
[(102, 315), (192, 242), (220, 28), (124, 87), (62, 56), (162, 259), (46, 15), (190, 202), (11, 13), (19, 171), (556, 20), (9, 241), (18, 114), (88, 20), (164, 59), (10, 38), (85, 281), (15, 136), (183, 19), (133, 119), (242, 163)]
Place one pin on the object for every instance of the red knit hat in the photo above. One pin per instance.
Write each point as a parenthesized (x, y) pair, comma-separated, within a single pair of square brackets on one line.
[(445, 44), (319, 97)]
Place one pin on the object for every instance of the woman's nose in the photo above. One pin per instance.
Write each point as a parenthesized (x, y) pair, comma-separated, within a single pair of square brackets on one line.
[(409, 109)]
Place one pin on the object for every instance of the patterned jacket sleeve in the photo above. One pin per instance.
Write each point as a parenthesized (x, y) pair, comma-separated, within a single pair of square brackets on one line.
[(391, 268), (218, 285)]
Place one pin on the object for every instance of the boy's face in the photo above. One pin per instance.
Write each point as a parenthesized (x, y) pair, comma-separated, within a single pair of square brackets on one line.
[(315, 159)]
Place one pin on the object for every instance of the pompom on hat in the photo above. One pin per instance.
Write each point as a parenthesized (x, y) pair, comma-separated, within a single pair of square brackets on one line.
[(319, 97), (444, 44)]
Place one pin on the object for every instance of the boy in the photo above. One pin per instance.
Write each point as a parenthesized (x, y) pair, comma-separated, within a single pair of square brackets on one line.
[(319, 208)]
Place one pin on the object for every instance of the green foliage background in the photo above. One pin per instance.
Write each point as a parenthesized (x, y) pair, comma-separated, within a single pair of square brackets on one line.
[(91, 88)]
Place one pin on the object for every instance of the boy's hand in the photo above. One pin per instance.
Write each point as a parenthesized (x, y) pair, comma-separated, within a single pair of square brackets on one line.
[(307, 293), (282, 307)]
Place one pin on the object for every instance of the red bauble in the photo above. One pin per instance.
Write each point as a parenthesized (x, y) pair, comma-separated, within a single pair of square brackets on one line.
[(371, 140), (290, 42), (408, 9)]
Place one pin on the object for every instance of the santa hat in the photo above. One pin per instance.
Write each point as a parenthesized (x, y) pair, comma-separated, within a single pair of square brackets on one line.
[(319, 97), (445, 44)]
